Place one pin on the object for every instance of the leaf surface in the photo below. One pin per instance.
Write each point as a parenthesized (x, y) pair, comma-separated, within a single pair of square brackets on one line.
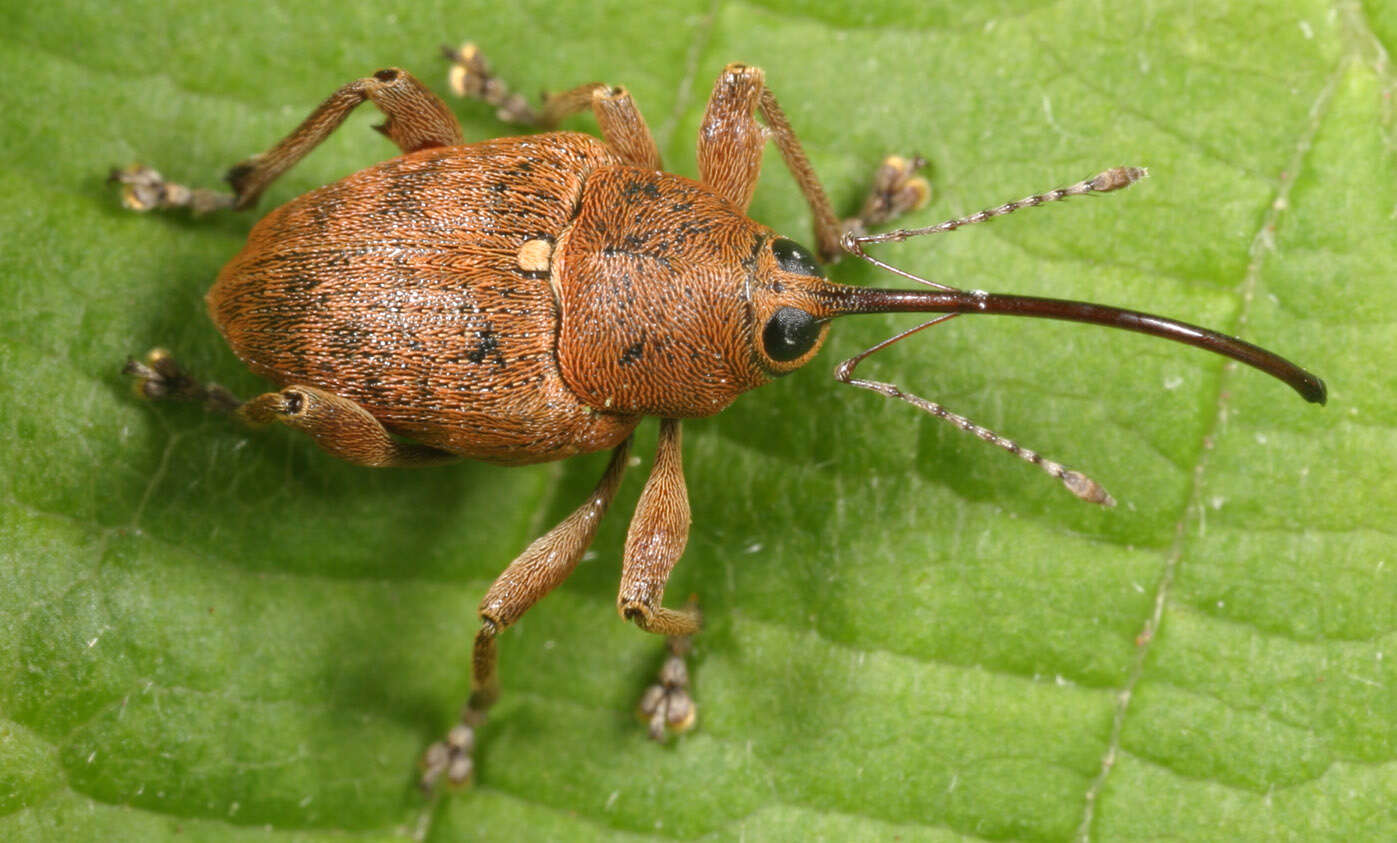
[(214, 634)]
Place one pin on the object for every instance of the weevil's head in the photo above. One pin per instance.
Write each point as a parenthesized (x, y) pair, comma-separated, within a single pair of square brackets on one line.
[(788, 300)]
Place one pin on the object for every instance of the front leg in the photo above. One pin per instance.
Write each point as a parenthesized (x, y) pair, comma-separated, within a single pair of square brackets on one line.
[(658, 533), (730, 158)]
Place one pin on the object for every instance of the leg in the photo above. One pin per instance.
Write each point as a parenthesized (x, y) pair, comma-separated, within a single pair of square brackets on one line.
[(658, 532), (731, 141), (338, 425), (730, 152), (655, 541), (158, 377), (620, 120), (667, 704), (537, 571), (417, 119)]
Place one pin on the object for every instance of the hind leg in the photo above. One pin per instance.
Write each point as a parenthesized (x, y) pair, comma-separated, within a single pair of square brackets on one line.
[(337, 424)]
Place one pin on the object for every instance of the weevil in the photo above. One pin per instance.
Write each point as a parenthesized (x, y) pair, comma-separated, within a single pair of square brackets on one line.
[(530, 298)]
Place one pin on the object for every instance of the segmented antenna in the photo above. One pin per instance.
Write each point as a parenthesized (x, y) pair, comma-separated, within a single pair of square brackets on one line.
[(1104, 182), (1076, 482)]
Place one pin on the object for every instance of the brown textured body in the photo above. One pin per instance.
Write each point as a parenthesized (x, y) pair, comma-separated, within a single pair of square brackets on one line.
[(400, 288), (526, 299)]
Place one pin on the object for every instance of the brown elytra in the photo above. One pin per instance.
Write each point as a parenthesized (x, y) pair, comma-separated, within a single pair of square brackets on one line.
[(526, 299), (400, 288)]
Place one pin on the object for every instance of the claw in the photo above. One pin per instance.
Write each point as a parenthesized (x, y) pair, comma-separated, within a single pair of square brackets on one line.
[(449, 759), (144, 189), (667, 705), (158, 377), (470, 76), (897, 189)]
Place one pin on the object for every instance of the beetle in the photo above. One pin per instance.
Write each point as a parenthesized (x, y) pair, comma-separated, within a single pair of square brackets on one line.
[(526, 299)]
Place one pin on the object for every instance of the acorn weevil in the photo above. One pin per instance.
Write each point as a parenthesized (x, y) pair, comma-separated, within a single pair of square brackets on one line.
[(526, 299)]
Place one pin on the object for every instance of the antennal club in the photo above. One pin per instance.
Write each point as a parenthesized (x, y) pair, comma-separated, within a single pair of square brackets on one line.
[(1106, 181), (843, 300), (1076, 482)]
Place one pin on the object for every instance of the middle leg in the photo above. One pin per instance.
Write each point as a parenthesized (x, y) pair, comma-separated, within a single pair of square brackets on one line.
[(537, 571), (617, 114)]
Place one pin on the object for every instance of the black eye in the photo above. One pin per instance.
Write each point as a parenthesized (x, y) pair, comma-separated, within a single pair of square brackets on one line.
[(790, 333), (793, 257)]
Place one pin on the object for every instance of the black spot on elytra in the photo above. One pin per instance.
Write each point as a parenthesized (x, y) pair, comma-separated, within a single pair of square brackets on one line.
[(632, 354), (347, 340), (375, 390), (298, 287), (402, 198), (324, 210), (487, 345)]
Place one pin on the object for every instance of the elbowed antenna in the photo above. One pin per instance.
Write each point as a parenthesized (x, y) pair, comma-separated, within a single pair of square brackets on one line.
[(844, 300)]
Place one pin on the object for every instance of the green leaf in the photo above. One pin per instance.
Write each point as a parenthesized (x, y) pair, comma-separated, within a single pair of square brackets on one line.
[(216, 634)]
